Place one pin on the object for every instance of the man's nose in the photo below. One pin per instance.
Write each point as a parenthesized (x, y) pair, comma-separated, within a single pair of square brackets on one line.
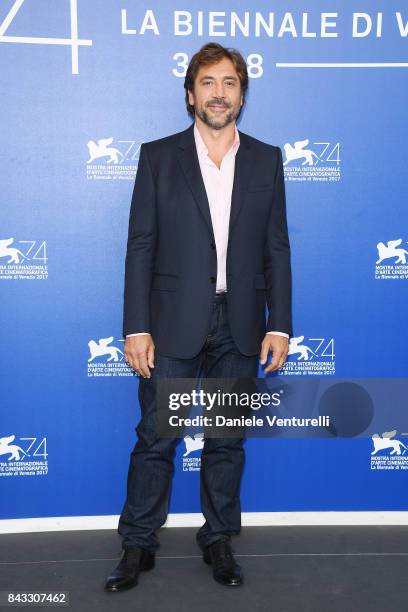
[(219, 90)]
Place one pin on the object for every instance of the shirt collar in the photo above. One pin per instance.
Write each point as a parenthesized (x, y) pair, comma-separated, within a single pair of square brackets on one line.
[(201, 146)]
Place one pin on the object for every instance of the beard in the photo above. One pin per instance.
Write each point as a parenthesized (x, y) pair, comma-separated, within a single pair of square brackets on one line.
[(217, 122)]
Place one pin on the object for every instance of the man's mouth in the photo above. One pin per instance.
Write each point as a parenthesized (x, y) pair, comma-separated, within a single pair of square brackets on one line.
[(218, 106)]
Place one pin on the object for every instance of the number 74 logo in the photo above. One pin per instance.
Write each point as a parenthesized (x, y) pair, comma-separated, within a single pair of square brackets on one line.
[(74, 42)]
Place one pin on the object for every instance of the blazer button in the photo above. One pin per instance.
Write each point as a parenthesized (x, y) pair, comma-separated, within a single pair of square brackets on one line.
[(213, 279), (213, 245)]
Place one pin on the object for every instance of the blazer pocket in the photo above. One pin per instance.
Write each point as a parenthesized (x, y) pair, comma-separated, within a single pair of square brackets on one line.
[(264, 187), (165, 282), (259, 281)]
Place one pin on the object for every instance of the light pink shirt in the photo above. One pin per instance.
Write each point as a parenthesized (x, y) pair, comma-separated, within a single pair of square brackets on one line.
[(218, 185)]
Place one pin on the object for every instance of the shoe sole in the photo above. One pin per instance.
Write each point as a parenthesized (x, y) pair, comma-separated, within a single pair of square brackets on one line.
[(122, 588), (229, 583)]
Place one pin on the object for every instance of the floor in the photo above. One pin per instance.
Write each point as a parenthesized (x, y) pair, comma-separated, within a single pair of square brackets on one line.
[(328, 569)]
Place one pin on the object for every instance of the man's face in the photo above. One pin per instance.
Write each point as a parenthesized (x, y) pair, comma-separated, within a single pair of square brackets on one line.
[(217, 97)]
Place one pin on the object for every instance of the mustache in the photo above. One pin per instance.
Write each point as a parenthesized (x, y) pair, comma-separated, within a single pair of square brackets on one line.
[(219, 101)]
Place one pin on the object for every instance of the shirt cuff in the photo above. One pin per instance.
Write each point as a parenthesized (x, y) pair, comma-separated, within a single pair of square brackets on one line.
[(139, 334), (279, 333)]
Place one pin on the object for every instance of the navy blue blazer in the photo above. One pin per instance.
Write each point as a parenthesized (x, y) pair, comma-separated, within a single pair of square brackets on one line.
[(171, 260)]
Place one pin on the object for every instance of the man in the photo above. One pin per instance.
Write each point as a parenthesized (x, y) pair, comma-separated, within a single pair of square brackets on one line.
[(207, 250)]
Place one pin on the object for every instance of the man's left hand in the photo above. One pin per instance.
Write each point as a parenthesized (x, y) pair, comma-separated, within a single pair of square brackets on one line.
[(279, 345)]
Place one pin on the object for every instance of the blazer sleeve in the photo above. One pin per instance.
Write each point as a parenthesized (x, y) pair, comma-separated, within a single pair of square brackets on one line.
[(140, 252), (277, 265)]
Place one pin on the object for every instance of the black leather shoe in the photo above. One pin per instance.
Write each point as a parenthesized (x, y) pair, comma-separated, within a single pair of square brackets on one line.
[(225, 569), (126, 574)]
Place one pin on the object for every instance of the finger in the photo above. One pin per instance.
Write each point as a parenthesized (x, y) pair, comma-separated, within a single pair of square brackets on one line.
[(150, 355), (283, 358), (129, 361), (134, 361), (264, 352), (277, 358), (142, 365), (134, 358), (136, 365)]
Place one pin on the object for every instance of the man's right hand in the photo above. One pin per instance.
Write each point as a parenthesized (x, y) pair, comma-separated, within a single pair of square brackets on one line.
[(139, 354)]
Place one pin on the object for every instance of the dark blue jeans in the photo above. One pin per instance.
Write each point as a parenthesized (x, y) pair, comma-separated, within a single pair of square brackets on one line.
[(151, 466)]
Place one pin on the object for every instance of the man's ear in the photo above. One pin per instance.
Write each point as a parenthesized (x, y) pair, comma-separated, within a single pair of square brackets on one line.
[(190, 97)]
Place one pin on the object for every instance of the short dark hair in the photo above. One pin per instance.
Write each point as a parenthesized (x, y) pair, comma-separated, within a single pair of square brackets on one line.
[(209, 54)]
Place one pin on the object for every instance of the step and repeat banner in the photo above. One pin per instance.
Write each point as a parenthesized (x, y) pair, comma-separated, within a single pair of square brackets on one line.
[(83, 84)]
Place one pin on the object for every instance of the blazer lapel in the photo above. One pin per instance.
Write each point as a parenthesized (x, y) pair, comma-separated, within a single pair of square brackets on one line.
[(190, 166), (242, 172)]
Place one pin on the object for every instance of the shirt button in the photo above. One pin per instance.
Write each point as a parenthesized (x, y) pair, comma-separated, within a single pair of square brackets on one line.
[(212, 279)]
